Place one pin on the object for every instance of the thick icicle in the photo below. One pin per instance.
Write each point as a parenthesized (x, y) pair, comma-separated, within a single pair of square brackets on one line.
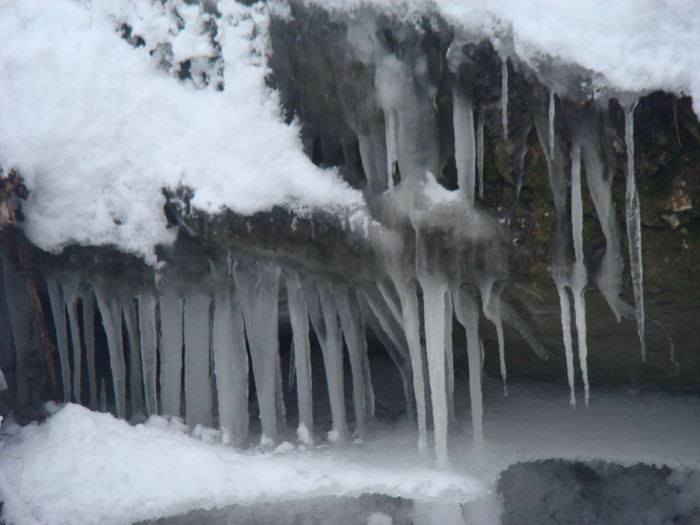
[(354, 331), (299, 318), (70, 290), (434, 291), (411, 325), (149, 357), (480, 152), (258, 289), (465, 144), (111, 312), (59, 318), (467, 314), (171, 341), (231, 366), (504, 96), (198, 403), (634, 228), (579, 278), (324, 317), (88, 300), (135, 377)]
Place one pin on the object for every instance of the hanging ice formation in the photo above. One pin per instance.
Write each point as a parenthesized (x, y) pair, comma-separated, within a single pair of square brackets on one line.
[(204, 343)]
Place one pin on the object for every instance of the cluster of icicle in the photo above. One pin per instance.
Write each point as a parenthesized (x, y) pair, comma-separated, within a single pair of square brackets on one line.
[(207, 337)]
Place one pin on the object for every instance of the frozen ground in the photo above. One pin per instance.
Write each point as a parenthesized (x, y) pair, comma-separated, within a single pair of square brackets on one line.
[(87, 467)]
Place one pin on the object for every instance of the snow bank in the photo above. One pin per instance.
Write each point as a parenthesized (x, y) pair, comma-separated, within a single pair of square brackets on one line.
[(98, 128), (87, 467)]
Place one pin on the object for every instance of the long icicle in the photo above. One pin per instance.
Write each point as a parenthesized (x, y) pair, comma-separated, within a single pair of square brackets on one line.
[(59, 317), (579, 275), (70, 290), (88, 298), (634, 228), (148, 345)]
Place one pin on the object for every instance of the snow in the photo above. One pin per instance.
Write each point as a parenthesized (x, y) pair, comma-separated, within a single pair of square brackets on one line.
[(97, 129), (86, 467)]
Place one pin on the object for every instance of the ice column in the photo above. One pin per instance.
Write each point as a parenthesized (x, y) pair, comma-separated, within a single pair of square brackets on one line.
[(231, 366), (171, 341), (59, 317), (147, 330), (634, 228), (257, 286), (197, 360), (299, 318), (111, 312)]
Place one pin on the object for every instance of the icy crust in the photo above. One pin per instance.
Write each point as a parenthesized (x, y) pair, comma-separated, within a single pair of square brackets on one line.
[(626, 46), (98, 126)]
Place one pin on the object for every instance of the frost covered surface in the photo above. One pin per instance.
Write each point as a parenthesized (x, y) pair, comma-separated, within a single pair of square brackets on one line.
[(86, 467), (98, 128)]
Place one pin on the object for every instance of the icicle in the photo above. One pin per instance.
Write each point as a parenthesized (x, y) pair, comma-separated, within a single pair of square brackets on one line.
[(565, 308), (480, 152), (392, 156), (70, 290), (88, 300), (171, 341), (111, 312), (434, 311), (491, 299), (579, 279), (411, 325), (103, 396), (149, 358), (59, 318), (197, 360), (299, 317), (552, 114), (324, 318), (465, 144), (135, 377), (231, 366), (356, 342), (634, 228), (258, 290), (449, 357), (504, 96), (468, 316)]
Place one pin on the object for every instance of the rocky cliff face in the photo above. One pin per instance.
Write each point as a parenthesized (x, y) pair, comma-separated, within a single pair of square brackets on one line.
[(554, 220)]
